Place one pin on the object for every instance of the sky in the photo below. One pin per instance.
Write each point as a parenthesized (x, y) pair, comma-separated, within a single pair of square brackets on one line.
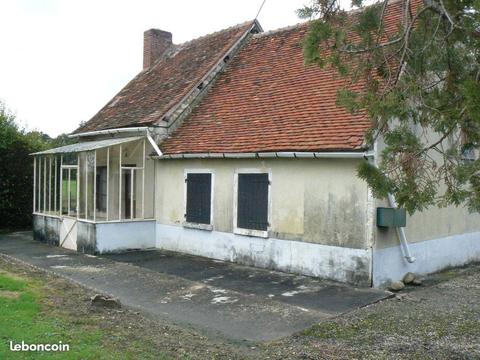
[(62, 60)]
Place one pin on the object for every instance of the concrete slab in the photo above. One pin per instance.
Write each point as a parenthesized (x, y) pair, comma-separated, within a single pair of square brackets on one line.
[(223, 299), (308, 292)]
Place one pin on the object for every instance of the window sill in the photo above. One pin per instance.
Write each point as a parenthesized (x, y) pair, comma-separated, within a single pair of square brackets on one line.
[(250, 232), (189, 225)]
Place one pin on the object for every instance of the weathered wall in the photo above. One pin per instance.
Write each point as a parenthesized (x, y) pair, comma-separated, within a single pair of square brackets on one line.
[(431, 256), (439, 238), (122, 236), (46, 229), (86, 237), (334, 262), (313, 200), (318, 219), (434, 222)]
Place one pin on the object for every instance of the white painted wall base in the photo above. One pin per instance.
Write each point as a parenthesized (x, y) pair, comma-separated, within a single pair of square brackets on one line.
[(432, 255), (336, 263), (112, 237)]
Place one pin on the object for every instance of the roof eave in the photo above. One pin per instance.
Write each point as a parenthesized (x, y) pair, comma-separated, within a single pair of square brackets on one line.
[(278, 154)]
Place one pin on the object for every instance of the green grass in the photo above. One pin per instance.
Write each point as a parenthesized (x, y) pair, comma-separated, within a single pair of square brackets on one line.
[(11, 284), (24, 317)]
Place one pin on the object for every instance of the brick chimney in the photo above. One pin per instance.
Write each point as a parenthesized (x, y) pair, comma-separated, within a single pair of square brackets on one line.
[(155, 42)]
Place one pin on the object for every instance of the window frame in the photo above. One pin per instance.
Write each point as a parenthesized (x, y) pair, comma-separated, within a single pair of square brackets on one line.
[(193, 225), (252, 232), (70, 212)]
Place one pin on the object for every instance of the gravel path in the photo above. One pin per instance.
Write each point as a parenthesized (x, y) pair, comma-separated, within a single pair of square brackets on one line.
[(440, 320)]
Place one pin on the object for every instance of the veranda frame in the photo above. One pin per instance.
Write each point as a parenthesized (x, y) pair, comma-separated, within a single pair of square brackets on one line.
[(45, 164)]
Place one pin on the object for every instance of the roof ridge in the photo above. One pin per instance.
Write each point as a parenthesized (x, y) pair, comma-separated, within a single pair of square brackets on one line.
[(306, 22), (174, 49), (237, 26), (285, 28)]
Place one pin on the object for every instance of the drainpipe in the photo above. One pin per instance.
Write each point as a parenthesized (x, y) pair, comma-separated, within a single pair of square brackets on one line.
[(401, 234), (154, 144), (400, 230)]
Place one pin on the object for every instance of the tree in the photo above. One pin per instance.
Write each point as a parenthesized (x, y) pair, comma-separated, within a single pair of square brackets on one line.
[(16, 169), (418, 64)]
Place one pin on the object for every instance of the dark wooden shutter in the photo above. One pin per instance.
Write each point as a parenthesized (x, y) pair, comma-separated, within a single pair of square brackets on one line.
[(199, 189), (252, 210)]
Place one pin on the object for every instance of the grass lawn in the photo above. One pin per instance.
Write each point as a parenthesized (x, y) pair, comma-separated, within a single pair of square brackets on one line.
[(29, 314)]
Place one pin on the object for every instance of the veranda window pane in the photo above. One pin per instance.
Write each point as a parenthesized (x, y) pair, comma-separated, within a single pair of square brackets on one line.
[(51, 185), (128, 201), (44, 185), (38, 183), (101, 184), (57, 186), (90, 184), (138, 194), (69, 191), (82, 163), (73, 192), (65, 191), (70, 159), (132, 154), (113, 182)]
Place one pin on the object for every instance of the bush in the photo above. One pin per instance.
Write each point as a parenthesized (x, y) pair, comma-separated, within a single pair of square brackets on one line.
[(16, 171)]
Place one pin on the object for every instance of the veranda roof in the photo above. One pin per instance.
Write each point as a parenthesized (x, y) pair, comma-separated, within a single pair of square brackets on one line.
[(88, 145)]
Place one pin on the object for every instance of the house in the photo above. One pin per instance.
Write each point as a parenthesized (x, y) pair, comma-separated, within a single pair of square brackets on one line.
[(230, 147)]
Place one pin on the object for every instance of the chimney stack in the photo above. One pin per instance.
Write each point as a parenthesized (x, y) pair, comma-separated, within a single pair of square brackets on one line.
[(155, 43)]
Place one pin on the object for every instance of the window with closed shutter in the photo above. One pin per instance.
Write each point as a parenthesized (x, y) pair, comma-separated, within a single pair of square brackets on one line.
[(252, 208), (199, 190)]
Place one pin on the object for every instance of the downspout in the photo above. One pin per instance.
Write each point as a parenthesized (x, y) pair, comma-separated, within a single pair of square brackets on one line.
[(399, 230), (401, 234), (154, 144)]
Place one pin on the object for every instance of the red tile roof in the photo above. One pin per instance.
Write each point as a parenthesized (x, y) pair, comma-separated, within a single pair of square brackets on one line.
[(268, 100), (146, 99)]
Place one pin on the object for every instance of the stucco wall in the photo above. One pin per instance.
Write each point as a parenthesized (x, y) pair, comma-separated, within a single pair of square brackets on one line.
[(121, 236), (434, 222), (46, 229), (312, 200), (438, 237), (86, 237)]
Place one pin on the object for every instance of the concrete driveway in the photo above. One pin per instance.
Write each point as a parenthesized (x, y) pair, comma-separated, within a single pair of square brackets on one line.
[(222, 299)]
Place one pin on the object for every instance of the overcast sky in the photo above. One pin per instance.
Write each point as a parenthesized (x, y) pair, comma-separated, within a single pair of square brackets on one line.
[(62, 60)]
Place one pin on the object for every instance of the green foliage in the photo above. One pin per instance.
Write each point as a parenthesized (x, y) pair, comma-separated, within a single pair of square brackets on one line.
[(16, 169), (348, 99), (380, 184), (420, 89), (23, 318), (319, 32)]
